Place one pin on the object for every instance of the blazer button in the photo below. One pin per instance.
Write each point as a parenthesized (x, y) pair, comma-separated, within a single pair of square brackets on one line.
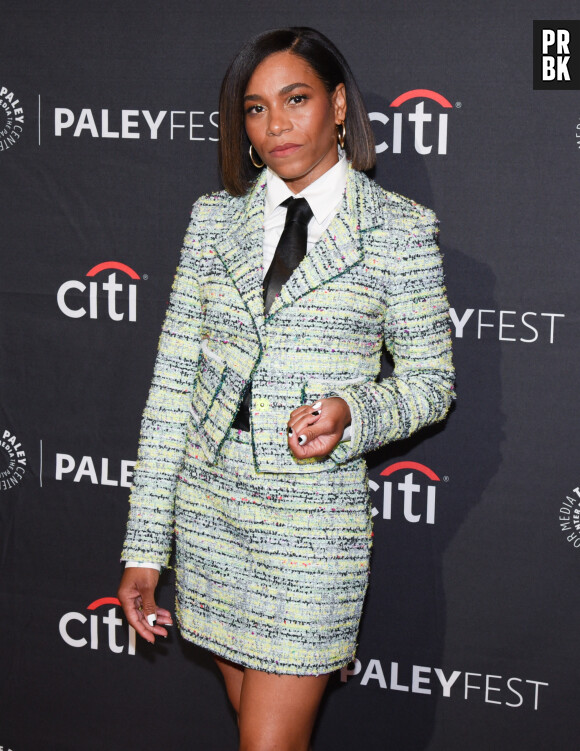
[(262, 404)]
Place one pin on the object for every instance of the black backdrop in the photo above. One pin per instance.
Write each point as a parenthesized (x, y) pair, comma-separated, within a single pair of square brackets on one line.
[(107, 136)]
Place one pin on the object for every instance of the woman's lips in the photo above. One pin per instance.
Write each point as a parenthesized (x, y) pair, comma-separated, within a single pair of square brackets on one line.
[(285, 149)]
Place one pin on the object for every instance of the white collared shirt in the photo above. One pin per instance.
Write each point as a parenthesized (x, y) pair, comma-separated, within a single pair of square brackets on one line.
[(324, 197)]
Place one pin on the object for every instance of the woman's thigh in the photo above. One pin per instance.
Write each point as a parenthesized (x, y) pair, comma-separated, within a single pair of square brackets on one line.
[(278, 711)]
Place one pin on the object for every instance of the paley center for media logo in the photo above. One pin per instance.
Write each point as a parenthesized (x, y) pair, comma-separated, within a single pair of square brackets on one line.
[(409, 493), (422, 113), (556, 54), (569, 517), (11, 118), (121, 299), (12, 460), (98, 631)]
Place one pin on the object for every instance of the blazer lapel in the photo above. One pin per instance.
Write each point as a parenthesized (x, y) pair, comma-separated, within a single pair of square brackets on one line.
[(339, 249), (241, 251), (341, 245)]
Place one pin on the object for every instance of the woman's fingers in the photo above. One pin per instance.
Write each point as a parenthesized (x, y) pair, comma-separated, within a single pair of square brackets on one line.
[(137, 597), (314, 430)]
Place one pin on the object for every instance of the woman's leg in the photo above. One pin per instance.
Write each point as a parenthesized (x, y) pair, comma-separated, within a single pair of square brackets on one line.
[(233, 676), (277, 712)]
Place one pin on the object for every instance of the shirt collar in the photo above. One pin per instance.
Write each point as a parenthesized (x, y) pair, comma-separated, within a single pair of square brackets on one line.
[(323, 195)]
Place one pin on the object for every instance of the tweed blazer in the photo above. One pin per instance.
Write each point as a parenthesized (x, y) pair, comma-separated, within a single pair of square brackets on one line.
[(374, 276)]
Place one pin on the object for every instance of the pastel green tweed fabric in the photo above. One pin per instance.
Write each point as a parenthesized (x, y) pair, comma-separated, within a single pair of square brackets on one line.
[(374, 278), (271, 569)]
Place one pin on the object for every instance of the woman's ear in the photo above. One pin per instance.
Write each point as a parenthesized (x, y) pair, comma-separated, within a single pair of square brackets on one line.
[(339, 103)]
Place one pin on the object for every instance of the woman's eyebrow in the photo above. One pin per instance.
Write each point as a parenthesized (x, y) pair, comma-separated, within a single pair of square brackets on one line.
[(284, 90)]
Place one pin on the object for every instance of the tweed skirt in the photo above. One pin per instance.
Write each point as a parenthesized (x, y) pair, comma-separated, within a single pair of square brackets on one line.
[(271, 568)]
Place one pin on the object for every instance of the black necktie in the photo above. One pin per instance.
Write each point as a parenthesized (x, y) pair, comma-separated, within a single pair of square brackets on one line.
[(290, 250)]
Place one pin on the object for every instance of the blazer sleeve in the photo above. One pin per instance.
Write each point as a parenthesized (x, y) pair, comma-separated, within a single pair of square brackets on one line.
[(417, 334), (164, 423)]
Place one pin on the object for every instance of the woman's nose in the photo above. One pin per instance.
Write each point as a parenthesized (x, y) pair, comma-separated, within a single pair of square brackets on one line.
[(279, 122)]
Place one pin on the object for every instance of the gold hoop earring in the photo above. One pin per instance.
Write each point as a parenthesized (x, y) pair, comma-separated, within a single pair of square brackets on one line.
[(341, 134), (257, 166)]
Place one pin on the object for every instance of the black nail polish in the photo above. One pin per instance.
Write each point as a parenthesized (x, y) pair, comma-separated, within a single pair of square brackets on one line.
[(290, 431), (316, 413)]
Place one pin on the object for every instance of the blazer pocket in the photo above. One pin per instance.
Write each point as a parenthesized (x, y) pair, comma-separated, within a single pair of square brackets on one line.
[(209, 380)]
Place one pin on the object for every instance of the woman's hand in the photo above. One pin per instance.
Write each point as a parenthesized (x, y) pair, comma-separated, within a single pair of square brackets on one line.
[(322, 425), (137, 597)]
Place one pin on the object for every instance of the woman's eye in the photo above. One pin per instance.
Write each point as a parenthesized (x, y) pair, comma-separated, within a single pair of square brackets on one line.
[(254, 109), (298, 98)]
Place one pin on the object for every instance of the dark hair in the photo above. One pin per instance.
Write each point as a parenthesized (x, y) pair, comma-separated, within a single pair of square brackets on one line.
[(330, 66)]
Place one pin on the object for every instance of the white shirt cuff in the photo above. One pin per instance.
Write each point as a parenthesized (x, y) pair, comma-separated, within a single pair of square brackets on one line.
[(142, 564), (346, 434)]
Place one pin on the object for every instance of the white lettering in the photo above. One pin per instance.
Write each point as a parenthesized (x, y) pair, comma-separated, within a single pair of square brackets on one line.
[(459, 323), (105, 132), (395, 678), (503, 325), (112, 622), (64, 307), (381, 118), (374, 671), (105, 473), (127, 124), (193, 125), (548, 39), (469, 685), (64, 464), (175, 125), (419, 679), (63, 118), (86, 469), (154, 124), (419, 118), (86, 121), (489, 688), (346, 672), (62, 627), (408, 488), (446, 683)]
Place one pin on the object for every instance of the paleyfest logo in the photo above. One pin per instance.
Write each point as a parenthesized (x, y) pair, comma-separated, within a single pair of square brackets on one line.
[(11, 118)]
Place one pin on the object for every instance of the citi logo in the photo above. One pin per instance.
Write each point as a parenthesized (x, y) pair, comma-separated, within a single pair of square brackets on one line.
[(413, 501), (120, 300), (429, 129), (76, 633)]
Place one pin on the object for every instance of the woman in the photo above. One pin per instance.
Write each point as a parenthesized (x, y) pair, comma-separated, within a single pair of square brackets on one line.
[(265, 396)]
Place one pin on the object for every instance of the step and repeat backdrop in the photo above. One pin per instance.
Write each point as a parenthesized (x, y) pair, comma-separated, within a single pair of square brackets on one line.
[(108, 133)]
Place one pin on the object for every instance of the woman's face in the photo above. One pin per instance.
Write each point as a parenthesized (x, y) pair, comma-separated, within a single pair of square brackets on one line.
[(291, 119)]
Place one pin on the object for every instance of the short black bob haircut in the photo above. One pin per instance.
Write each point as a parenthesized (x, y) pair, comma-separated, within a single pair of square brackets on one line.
[(323, 57)]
